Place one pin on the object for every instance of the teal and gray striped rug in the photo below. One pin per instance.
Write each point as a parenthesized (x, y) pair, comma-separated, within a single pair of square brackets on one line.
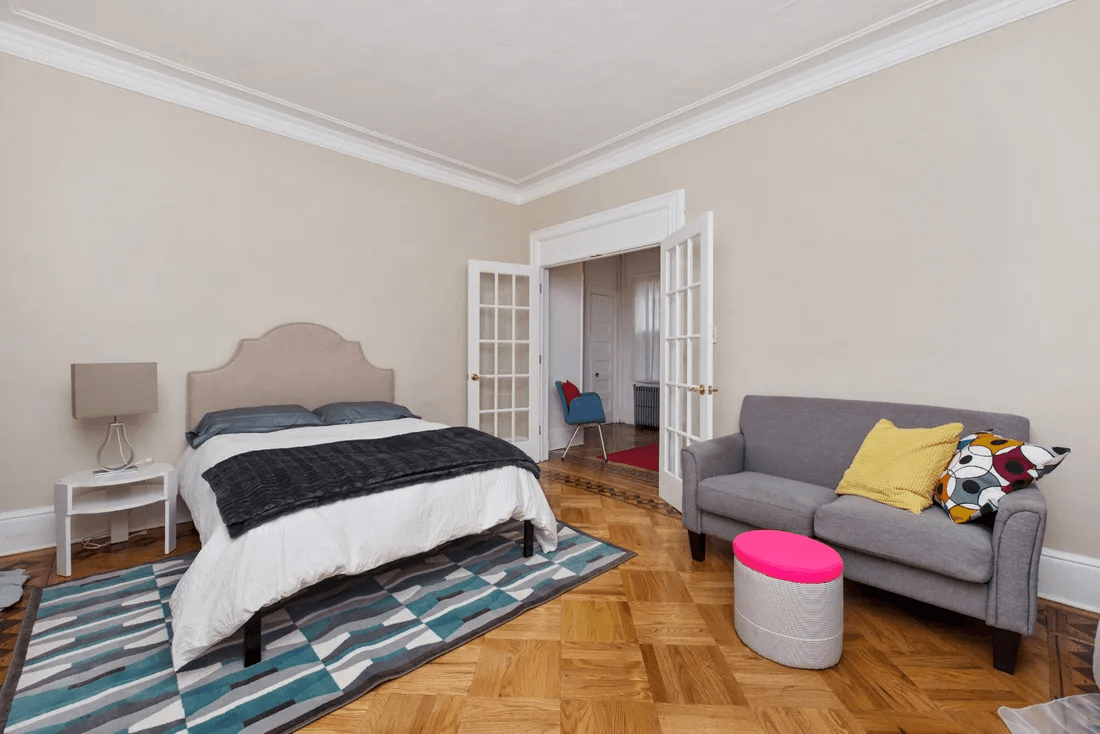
[(98, 659)]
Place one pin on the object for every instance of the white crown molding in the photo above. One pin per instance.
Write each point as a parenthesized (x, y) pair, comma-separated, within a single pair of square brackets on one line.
[(51, 51), (974, 20), (309, 127)]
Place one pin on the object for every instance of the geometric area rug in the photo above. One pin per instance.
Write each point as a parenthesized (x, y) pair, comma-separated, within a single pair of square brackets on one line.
[(98, 657)]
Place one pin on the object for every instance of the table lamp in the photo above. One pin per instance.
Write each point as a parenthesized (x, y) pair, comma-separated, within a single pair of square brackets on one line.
[(108, 390)]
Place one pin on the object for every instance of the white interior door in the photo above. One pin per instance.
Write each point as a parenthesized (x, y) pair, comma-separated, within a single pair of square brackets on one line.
[(687, 348), (502, 334), (600, 351)]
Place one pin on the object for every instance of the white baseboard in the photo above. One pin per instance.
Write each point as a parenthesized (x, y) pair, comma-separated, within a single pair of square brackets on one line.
[(1066, 578), (557, 439), (1070, 579), (26, 530), (33, 529)]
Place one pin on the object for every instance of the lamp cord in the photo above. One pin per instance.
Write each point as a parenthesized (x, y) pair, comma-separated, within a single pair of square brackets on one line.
[(121, 451), (96, 542)]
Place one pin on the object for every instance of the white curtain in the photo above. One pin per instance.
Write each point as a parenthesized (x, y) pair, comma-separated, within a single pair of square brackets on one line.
[(647, 329)]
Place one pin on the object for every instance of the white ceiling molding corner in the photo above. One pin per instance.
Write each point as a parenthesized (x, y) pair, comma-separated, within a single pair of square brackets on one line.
[(92, 64), (93, 60), (972, 21)]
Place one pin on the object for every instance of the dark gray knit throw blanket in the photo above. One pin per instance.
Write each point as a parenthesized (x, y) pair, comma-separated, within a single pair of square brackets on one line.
[(257, 486)]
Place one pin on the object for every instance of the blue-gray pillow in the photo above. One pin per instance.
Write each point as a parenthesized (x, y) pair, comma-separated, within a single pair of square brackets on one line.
[(335, 414), (261, 419)]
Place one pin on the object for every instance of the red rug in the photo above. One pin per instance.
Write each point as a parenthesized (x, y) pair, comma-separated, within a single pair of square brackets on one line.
[(643, 457)]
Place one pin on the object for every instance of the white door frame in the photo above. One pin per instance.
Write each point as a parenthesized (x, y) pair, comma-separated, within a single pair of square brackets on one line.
[(615, 231)]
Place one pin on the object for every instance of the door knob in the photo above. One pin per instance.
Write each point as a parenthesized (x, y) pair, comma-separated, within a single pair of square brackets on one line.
[(597, 374), (711, 389), (475, 376)]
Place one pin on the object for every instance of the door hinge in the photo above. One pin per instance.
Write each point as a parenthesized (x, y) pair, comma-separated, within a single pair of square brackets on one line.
[(540, 287), (540, 430), (540, 359)]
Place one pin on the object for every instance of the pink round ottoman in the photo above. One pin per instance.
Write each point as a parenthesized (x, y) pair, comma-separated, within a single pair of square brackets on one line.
[(788, 598)]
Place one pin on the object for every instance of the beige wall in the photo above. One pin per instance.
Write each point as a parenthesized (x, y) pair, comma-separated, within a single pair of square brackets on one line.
[(929, 234), (132, 229)]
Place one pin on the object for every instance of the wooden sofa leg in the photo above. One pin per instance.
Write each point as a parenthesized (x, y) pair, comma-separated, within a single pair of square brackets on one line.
[(698, 544), (1006, 645)]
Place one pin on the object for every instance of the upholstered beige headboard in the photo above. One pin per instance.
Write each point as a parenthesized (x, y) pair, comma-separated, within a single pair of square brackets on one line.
[(299, 363)]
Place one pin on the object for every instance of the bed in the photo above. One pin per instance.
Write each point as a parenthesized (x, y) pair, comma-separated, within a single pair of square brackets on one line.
[(233, 580)]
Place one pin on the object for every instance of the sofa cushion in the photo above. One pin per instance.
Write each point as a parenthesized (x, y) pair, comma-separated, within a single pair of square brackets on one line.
[(985, 468), (929, 540), (764, 501), (899, 466)]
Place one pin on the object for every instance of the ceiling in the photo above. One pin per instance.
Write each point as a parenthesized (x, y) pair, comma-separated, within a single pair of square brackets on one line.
[(511, 98)]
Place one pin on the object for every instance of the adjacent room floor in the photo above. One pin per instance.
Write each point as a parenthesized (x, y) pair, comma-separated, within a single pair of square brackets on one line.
[(586, 452), (650, 647)]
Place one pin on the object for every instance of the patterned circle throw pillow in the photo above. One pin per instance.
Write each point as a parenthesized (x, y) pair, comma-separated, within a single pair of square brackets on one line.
[(985, 468)]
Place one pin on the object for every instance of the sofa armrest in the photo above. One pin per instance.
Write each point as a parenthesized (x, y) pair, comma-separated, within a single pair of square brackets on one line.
[(1017, 543), (706, 459)]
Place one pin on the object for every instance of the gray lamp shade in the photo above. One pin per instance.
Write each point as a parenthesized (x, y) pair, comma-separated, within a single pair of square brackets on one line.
[(110, 389)]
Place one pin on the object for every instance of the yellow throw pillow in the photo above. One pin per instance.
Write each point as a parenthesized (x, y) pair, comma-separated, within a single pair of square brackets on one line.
[(900, 466)]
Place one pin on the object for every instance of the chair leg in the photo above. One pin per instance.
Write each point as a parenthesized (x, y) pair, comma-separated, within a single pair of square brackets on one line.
[(599, 427), (570, 442)]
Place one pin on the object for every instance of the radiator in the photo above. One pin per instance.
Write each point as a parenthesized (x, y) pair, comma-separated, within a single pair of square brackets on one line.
[(647, 406)]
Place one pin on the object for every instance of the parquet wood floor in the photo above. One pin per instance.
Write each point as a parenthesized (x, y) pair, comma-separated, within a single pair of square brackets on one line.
[(586, 452), (650, 647)]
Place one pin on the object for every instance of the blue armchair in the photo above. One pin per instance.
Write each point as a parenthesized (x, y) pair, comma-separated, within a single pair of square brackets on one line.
[(585, 409)]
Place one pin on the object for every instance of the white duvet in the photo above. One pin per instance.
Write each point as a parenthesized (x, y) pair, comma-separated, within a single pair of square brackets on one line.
[(231, 579)]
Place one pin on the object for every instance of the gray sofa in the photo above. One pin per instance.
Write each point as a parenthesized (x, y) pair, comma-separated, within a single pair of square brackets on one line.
[(781, 472)]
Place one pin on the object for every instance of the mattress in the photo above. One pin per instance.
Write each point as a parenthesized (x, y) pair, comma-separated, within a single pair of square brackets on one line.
[(232, 579)]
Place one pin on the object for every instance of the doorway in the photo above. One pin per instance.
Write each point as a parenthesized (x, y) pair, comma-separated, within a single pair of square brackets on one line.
[(609, 246), (687, 315), (603, 336)]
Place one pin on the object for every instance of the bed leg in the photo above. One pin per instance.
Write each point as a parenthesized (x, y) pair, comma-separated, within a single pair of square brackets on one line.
[(528, 539), (252, 640)]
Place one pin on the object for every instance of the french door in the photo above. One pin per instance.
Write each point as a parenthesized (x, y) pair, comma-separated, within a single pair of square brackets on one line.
[(687, 349), (503, 336)]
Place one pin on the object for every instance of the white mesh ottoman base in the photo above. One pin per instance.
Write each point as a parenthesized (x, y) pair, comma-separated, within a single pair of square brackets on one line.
[(795, 624)]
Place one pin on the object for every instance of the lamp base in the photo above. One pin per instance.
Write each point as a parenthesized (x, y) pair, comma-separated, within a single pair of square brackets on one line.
[(117, 430)]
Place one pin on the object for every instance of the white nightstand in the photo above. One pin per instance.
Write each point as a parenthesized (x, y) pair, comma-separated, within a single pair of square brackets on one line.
[(88, 493)]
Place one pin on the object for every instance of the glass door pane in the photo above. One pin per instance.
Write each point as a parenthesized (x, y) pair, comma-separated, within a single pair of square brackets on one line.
[(504, 352), (686, 349)]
